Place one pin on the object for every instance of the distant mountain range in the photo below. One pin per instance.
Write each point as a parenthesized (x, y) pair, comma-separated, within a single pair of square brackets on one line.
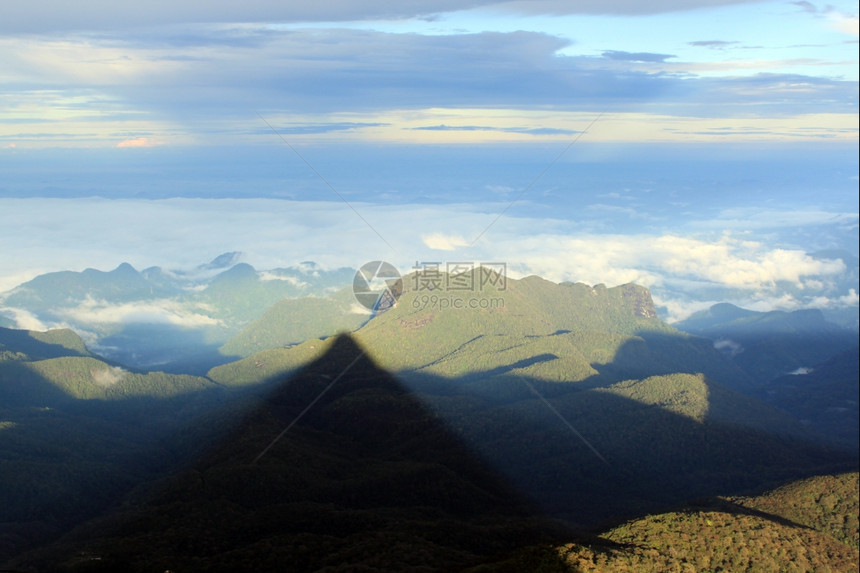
[(770, 344), (169, 319)]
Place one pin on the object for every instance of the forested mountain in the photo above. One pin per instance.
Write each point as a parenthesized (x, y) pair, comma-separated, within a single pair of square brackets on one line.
[(567, 332), (809, 525), (34, 345), (388, 477), (498, 434), (78, 433), (294, 320), (165, 319)]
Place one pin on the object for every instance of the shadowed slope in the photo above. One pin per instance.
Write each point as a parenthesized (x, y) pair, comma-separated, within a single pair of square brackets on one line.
[(368, 477)]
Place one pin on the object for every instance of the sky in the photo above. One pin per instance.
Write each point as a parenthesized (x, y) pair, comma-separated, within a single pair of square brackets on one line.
[(706, 149)]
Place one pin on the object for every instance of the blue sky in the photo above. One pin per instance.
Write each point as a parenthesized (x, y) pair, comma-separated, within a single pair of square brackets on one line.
[(704, 148)]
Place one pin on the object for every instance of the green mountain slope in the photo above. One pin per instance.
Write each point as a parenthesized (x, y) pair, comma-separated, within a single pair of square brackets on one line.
[(345, 466), (33, 345), (454, 431), (828, 504), (798, 527), (562, 333), (291, 321), (77, 433)]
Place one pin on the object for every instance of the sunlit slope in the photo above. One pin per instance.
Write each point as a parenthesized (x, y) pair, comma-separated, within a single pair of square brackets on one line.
[(46, 368), (798, 527), (561, 333), (34, 345), (827, 503), (294, 320), (694, 396)]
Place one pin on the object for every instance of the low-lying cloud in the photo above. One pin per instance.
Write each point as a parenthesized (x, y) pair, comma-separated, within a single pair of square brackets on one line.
[(166, 311), (107, 377), (686, 272)]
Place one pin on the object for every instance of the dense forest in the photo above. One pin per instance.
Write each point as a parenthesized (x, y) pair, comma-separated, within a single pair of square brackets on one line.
[(571, 430)]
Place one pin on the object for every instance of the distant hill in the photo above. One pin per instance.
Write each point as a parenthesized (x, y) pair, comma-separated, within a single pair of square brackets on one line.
[(294, 320), (770, 344), (52, 291), (33, 345), (168, 319)]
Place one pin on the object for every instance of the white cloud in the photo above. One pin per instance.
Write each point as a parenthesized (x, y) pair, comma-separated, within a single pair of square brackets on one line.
[(677, 309), (751, 218), (356, 308), (685, 273), (166, 311), (139, 142), (663, 259), (26, 320), (171, 87), (108, 377), (847, 24), (730, 347), (292, 280), (442, 242)]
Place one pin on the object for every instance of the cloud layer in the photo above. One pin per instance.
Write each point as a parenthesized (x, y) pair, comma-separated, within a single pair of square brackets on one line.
[(53, 15), (685, 273)]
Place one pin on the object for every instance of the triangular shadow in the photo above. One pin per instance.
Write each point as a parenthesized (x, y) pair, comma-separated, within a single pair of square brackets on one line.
[(387, 475)]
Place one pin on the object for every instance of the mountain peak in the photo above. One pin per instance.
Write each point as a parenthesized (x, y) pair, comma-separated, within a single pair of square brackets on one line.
[(640, 297), (223, 261), (125, 268)]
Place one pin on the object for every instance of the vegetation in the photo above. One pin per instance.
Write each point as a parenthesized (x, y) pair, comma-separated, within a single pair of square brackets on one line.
[(436, 476), (507, 432), (828, 504), (691, 541), (808, 525), (177, 320), (32, 345), (291, 321)]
